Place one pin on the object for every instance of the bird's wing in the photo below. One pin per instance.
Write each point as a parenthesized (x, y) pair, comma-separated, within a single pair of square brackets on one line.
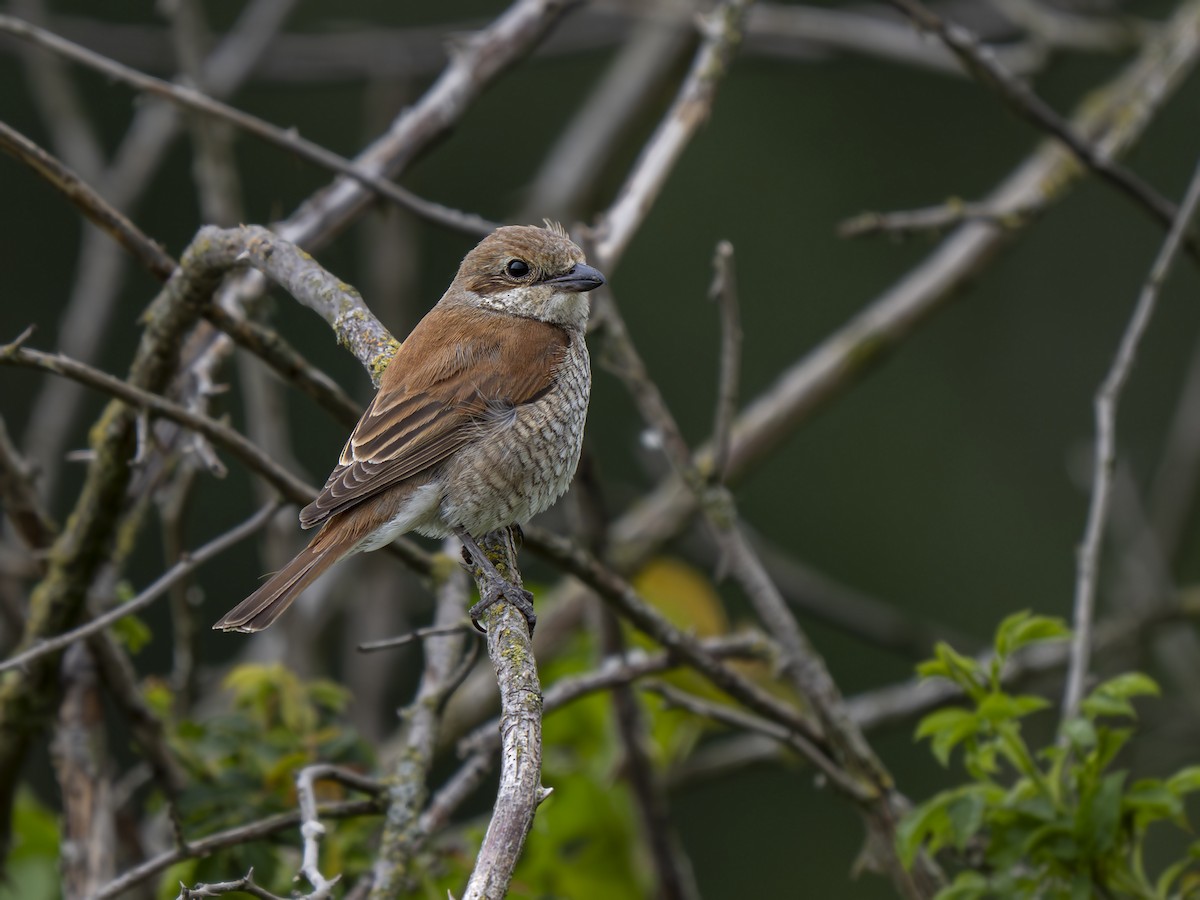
[(458, 367)]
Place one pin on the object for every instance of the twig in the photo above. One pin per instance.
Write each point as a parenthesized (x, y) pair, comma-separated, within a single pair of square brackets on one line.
[(977, 60), (288, 139), (724, 292), (149, 254), (291, 487), (231, 837), (311, 828), (627, 668), (520, 791), (188, 564), (20, 500), (271, 347), (631, 83), (722, 32), (726, 715), (1113, 119), (1106, 402), (243, 885), (623, 598), (27, 696), (934, 218), (417, 634), (408, 782), (84, 324)]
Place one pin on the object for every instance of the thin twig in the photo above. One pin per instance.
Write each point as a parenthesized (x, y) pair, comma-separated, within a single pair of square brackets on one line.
[(1106, 402), (615, 229), (149, 254), (188, 564), (408, 781), (417, 634), (984, 65), (288, 139), (232, 837), (291, 487), (934, 218), (724, 292), (311, 828), (271, 347)]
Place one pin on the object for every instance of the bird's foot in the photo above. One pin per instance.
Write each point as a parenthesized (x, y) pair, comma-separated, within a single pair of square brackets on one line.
[(497, 590), (495, 587)]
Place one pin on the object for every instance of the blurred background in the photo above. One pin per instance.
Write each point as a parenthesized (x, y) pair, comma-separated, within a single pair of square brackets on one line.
[(948, 485)]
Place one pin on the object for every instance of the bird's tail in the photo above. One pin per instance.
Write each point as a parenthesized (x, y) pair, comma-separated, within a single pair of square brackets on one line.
[(267, 604)]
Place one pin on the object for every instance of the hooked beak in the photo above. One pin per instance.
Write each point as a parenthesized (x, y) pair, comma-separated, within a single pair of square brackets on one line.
[(581, 278)]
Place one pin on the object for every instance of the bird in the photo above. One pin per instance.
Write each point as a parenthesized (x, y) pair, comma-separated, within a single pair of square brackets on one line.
[(477, 424)]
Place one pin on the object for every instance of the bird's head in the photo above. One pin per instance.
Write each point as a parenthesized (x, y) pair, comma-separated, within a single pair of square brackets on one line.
[(535, 273)]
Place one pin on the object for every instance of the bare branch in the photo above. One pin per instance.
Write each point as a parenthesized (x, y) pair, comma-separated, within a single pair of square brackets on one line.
[(408, 782), (149, 254), (724, 292), (520, 791), (271, 347), (231, 837), (181, 569), (1106, 402), (287, 139), (613, 232), (981, 63)]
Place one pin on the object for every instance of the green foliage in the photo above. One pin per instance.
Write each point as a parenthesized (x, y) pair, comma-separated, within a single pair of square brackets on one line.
[(1056, 823), (243, 765), (32, 867)]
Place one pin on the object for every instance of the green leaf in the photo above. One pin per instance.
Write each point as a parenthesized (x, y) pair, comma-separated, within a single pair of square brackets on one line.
[(947, 728), (1112, 697), (1099, 814), (1001, 707), (953, 666), (965, 814), (1184, 781), (1150, 800), (928, 822), (132, 632), (1080, 732), (967, 885), (1022, 628)]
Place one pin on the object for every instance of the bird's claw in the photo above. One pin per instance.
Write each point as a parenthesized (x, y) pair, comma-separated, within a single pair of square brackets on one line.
[(519, 598)]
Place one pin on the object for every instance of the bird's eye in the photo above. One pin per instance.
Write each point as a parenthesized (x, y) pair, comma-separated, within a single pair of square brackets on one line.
[(516, 268)]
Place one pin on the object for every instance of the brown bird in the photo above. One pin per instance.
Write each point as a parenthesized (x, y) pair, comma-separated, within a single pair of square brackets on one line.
[(477, 424)]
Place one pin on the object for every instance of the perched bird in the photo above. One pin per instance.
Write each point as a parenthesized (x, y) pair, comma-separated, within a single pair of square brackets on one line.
[(477, 424)]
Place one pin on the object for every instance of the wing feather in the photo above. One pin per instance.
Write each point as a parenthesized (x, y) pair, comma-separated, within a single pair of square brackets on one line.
[(458, 366)]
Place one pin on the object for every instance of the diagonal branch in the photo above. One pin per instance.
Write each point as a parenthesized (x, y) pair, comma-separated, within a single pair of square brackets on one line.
[(1107, 400), (287, 139)]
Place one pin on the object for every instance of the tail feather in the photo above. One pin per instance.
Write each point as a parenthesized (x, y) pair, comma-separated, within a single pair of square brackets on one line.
[(266, 604)]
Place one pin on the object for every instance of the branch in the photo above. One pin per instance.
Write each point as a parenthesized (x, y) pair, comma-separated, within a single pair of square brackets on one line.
[(616, 227), (20, 500), (291, 365), (981, 63), (511, 651), (57, 603), (1107, 400), (1113, 118), (288, 485), (232, 837), (188, 564), (408, 782), (149, 254), (288, 139)]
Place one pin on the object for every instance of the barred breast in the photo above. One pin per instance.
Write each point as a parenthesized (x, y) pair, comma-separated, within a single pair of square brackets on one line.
[(525, 457)]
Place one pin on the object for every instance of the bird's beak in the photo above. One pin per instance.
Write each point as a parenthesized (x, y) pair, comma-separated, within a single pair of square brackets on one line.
[(581, 278)]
